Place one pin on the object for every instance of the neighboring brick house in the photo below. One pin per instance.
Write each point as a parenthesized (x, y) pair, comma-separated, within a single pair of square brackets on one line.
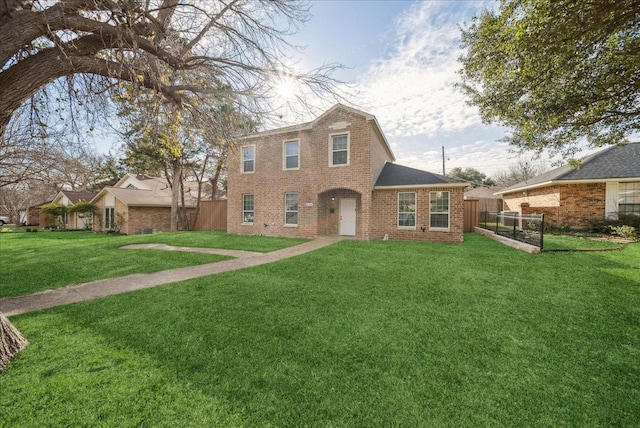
[(335, 176), (73, 220), (605, 184), (33, 216), (138, 204)]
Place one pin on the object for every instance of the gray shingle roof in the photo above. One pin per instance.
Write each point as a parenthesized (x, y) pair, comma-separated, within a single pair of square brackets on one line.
[(397, 175), (613, 162), (157, 195)]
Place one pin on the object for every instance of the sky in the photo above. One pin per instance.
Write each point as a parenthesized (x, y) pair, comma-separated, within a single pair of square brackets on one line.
[(401, 63), (401, 58)]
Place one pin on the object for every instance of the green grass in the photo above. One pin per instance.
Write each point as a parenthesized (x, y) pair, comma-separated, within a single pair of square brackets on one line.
[(355, 334), (32, 262), (577, 243)]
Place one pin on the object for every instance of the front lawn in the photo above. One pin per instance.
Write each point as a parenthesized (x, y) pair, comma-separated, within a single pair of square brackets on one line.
[(32, 262), (579, 243), (354, 334)]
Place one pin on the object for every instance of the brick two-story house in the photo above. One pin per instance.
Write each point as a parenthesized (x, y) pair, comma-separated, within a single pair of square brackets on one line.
[(336, 176)]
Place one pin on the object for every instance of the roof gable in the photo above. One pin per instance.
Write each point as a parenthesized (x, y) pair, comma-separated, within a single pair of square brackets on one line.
[(137, 181), (73, 196), (307, 126), (156, 192), (394, 175)]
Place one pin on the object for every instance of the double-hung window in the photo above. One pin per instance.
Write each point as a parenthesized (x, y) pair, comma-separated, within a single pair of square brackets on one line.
[(248, 159), (247, 209), (407, 210), (291, 154), (439, 210), (109, 218), (339, 150), (629, 198), (291, 209)]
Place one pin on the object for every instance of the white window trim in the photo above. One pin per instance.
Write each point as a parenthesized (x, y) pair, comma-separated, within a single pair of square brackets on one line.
[(242, 159), (620, 185), (243, 210), (285, 209), (284, 155), (348, 134), (441, 229), (415, 201)]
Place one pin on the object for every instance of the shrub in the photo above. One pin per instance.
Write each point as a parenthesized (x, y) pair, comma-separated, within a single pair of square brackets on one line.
[(625, 231), (605, 225), (54, 212), (82, 207)]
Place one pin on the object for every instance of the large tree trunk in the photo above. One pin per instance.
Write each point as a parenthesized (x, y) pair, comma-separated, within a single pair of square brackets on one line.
[(20, 27), (175, 193), (11, 342), (214, 180)]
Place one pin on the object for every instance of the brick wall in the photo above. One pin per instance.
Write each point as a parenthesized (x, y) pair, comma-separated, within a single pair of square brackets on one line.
[(269, 182), (158, 218), (583, 203), (570, 205), (542, 197), (385, 206), (379, 156)]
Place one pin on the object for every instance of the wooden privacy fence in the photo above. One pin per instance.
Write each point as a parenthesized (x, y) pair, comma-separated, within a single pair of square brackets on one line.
[(213, 216), (470, 214)]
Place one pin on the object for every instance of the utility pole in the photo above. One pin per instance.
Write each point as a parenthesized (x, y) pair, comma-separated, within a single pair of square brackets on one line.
[(443, 161)]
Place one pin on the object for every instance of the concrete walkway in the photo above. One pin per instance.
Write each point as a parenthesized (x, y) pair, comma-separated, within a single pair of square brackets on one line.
[(106, 287)]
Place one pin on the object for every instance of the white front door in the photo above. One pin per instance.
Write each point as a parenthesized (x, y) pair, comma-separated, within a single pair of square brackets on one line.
[(347, 217)]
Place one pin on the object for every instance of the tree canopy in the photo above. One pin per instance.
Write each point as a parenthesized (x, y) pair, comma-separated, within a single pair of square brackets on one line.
[(472, 175), (521, 171), (556, 72), (168, 46), (75, 61)]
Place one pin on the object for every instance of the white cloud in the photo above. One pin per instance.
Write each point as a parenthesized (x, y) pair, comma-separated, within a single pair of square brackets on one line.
[(412, 91)]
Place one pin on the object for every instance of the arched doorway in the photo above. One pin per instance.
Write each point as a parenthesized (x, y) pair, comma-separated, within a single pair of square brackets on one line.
[(339, 213)]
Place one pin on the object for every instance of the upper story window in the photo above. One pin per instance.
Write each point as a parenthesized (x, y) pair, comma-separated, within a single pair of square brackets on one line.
[(248, 159), (407, 210), (439, 210), (339, 150), (291, 155), (291, 209), (629, 198)]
